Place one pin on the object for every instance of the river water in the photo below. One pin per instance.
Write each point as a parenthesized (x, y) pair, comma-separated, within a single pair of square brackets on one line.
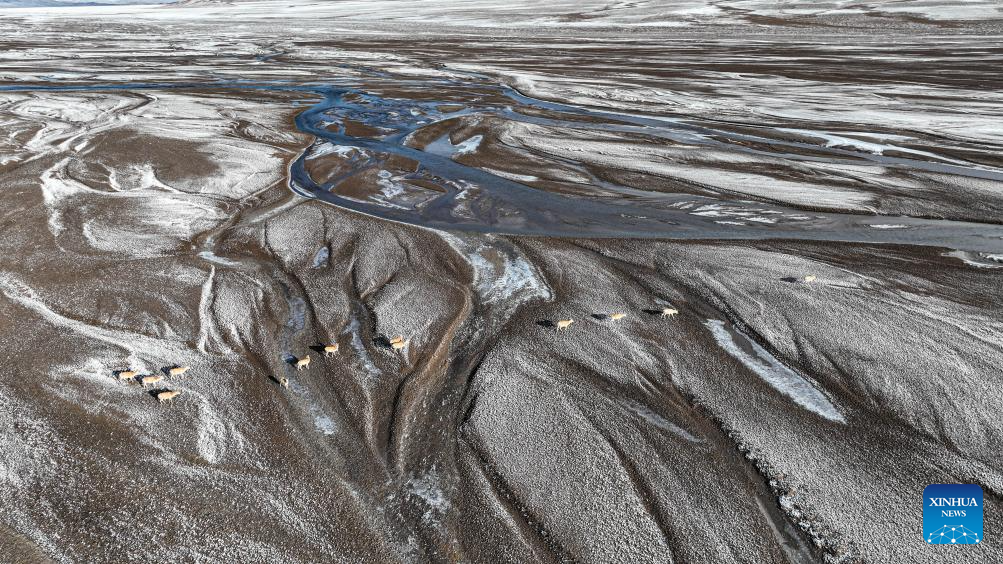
[(468, 198)]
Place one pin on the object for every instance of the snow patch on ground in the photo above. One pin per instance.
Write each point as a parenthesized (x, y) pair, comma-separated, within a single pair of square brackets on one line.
[(774, 372), (212, 436), (326, 148), (354, 331), (426, 488), (501, 272), (978, 260), (512, 175), (214, 258), (844, 142), (644, 412), (325, 424)]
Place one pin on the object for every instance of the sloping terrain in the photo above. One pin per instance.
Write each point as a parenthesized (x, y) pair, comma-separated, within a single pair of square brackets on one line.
[(811, 326)]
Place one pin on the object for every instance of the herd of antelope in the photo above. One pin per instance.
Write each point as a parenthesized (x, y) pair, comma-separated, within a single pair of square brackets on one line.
[(397, 343), (562, 324), (664, 311), (150, 379), (304, 363)]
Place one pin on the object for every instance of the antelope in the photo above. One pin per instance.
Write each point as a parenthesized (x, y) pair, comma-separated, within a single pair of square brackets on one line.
[(398, 345), (151, 379), (330, 350), (397, 339), (617, 316), (127, 374), (284, 381), (167, 395), (303, 363), (669, 312), (810, 278), (178, 370), (564, 323)]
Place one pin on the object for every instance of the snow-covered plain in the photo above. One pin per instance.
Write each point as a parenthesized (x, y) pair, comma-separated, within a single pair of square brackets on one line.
[(526, 14), (153, 226), (73, 3)]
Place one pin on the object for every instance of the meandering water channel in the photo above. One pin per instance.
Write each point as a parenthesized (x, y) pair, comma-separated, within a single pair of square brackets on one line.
[(474, 199)]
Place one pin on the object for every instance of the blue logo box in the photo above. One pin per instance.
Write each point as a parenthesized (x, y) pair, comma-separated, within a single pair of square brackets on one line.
[(952, 514)]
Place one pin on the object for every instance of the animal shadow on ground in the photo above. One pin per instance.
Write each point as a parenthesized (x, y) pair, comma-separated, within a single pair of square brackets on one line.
[(652, 311), (275, 379), (789, 279), (290, 359), (382, 341), (319, 349), (546, 323), (600, 316)]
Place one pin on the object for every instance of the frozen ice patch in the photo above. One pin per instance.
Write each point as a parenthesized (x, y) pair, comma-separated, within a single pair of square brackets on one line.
[(469, 145), (443, 147), (214, 258), (320, 258), (774, 372)]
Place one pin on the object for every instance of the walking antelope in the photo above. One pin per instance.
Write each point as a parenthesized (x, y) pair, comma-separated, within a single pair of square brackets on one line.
[(617, 316), (303, 363), (167, 395), (564, 323), (330, 350), (151, 379), (178, 371), (669, 312)]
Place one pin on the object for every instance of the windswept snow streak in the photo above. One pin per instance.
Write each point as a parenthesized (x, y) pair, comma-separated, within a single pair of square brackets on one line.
[(24, 295)]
